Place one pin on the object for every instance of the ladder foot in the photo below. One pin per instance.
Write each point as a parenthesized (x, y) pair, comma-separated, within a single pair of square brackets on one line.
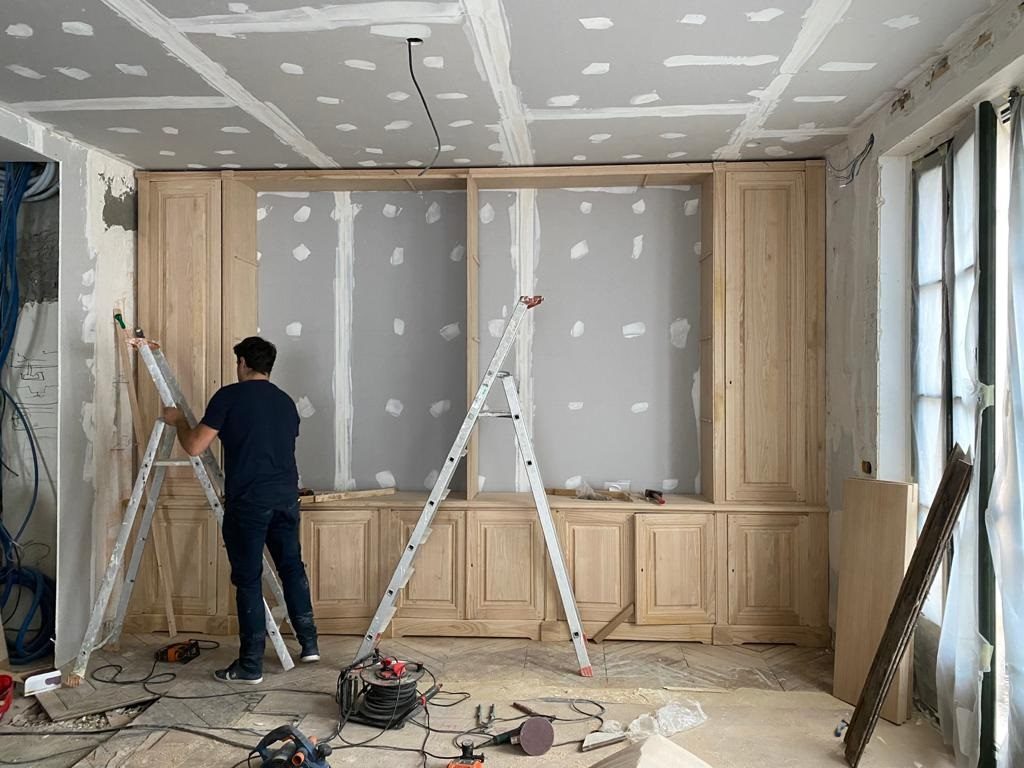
[(587, 671)]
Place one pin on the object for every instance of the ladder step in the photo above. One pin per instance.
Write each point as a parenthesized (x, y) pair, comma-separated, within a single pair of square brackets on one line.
[(495, 414), (173, 463)]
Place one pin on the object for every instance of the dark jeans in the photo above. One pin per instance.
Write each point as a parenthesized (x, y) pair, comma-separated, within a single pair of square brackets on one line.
[(246, 529)]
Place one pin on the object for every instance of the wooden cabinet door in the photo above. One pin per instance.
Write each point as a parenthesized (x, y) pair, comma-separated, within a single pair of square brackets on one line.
[(179, 299), (340, 549), (675, 568), (765, 337), (598, 551), (505, 550), (765, 579), (437, 589), (191, 544)]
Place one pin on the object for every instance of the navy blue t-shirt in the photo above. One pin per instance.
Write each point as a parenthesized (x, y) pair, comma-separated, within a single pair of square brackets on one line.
[(257, 423)]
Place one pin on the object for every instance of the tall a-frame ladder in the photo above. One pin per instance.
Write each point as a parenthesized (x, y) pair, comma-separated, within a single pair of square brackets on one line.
[(155, 462), (403, 572)]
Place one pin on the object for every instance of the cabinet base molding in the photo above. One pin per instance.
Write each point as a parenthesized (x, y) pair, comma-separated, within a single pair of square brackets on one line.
[(204, 625), (463, 628), (810, 637), (557, 631)]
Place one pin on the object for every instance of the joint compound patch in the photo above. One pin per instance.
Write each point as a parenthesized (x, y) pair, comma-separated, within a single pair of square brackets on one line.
[(639, 407), (633, 330), (385, 479), (293, 329), (495, 327), (639, 206), (679, 332), (304, 407), (690, 207), (390, 210), (902, 22), (429, 480), (638, 247), (586, 207), (398, 125), (486, 213), (766, 15), (433, 213), (669, 484), (440, 408), (394, 407), (261, 213), (574, 482), (597, 22), (397, 256), (576, 405), (399, 326), (579, 250), (302, 215), (698, 247), (597, 68), (458, 253), (577, 329), (300, 252), (450, 331)]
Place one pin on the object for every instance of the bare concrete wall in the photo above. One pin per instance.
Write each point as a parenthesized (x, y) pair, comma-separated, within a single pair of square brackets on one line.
[(983, 65), (96, 271)]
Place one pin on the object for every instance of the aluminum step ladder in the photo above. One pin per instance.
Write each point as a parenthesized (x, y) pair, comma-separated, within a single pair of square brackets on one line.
[(155, 462), (403, 572)]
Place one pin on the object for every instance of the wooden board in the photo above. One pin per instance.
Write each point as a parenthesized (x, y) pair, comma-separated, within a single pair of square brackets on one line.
[(879, 531), (928, 555), (319, 497), (92, 697)]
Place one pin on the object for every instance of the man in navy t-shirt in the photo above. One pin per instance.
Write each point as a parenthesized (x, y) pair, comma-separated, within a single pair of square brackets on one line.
[(257, 424)]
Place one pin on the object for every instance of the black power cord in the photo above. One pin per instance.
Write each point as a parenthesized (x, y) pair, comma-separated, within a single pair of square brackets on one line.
[(409, 43)]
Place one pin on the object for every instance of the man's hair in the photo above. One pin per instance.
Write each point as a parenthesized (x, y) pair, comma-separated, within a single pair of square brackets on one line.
[(259, 354)]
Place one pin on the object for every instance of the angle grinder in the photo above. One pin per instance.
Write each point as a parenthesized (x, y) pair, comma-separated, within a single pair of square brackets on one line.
[(296, 750)]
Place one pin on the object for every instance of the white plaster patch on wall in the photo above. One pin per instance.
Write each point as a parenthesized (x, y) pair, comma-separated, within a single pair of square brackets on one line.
[(301, 216), (669, 484), (641, 407), (385, 479), (693, 18), (429, 480), (458, 253), (79, 28), (495, 327), (818, 99), (293, 329), (440, 408), (170, 130), (262, 211), (579, 158), (679, 332), (305, 407), (847, 66), (597, 22), (644, 98), (433, 62), (597, 68), (695, 397), (777, 151), (394, 407), (398, 125), (19, 30), (332, 100), (398, 95), (400, 31), (639, 206), (26, 72), (398, 325), (573, 482), (577, 329), (633, 330), (695, 60), (597, 138), (300, 252), (566, 100), (576, 405), (135, 70), (433, 214), (292, 69), (346, 127), (460, 123), (690, 207), (450, 331), (122, 129), (366, 66), (238, 7), (902, 22), (579, 250), (397, 256), (452, 96), (698, 247), (672, 135), (486, 213), (74, 73), (586, 207), (638, 247), (285, 193), (390, 211), (768, 14)]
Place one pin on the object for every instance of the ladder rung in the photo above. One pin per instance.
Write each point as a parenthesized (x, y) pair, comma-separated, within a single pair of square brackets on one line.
[(495, 414), (172, 463)]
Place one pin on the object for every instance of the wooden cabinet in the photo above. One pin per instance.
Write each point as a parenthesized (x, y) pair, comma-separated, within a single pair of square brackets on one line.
[(773, 296), (776, 567), (598, 550), (437, 589), (675, 568), (506, 560), (179, 284), (340, 549)]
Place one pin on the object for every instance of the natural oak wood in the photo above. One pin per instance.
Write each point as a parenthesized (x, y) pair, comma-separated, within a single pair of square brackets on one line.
[(879, 531), (765, 337), (602, 634), (472, 461), (808, 637), (505, 554), (558, 631), (590, 176), (437, 589), (240, 270), (342, 556), (598, 551), (675, 569), (764, 569)]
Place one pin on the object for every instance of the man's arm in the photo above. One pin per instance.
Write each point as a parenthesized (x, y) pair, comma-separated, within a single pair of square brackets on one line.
[(194, 441)]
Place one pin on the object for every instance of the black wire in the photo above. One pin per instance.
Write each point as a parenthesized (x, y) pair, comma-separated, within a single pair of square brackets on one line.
[(430, 117), (37, 760)]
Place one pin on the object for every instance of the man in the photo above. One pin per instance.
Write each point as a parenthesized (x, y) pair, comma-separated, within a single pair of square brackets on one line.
[(257, 424)]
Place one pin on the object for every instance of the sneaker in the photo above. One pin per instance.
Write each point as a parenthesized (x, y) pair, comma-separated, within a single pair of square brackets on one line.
[(310, 653), (235, 674)]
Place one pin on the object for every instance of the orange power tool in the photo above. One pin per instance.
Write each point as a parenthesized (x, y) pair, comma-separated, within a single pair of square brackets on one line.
[(467, 759)]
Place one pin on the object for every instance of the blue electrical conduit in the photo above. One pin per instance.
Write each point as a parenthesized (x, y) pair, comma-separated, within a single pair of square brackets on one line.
[(18, 185)]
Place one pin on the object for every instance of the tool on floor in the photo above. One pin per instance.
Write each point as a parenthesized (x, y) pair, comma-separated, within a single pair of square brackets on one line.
[(178, 653), (534, 736), (598, 739), (467, 759), (43, 682), (656, 496), (404, 570), (155, 462), (481, 721), (382, 694), (296, 749)]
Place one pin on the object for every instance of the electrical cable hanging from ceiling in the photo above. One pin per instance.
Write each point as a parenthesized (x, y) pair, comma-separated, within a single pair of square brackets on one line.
[(409, 43), (848, 172)]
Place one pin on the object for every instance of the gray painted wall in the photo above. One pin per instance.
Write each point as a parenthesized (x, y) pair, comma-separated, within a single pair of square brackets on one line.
[(377, 282), (611, 360)]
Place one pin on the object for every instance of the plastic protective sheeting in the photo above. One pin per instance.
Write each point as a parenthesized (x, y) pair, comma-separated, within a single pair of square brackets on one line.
[(1005, 516), (963, 654)]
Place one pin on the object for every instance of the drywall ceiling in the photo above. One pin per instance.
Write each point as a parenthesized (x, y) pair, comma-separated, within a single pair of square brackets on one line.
[(15, 153), (269, 83)]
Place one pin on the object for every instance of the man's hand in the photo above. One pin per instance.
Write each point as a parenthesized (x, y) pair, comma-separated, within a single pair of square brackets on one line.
[(174, 417)]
